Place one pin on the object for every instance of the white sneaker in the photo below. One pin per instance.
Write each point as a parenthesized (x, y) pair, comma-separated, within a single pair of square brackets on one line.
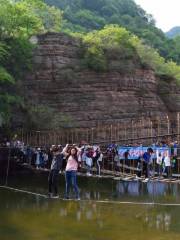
[(55, 196), (88, 174), (146, 180)]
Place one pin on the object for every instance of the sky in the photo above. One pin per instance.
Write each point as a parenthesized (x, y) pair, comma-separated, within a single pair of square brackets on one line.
[(165, 12)]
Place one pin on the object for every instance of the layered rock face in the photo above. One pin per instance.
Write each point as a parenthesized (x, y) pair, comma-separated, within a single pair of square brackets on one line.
[(84, 96)]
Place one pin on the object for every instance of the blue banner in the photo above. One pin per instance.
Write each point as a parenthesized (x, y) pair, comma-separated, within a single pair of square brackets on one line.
[(134, 153)]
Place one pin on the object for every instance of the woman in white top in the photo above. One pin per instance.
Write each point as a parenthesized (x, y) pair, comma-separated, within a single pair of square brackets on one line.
[(159, 162), (167, 164)]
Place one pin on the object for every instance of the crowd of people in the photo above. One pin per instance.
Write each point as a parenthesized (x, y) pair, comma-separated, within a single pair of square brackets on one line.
[(72, 158), (68, 159)]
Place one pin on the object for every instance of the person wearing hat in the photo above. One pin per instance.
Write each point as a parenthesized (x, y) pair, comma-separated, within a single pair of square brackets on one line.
[(56, 166)]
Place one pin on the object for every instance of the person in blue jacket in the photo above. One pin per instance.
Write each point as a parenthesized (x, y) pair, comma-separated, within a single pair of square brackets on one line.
[(146, 162)]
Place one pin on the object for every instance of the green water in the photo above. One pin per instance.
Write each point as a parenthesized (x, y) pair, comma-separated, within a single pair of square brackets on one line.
[(28, 217)]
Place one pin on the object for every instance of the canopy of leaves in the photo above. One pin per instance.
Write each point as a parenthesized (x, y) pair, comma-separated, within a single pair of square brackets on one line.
[(24, 18), (19, 20), (88, 15)]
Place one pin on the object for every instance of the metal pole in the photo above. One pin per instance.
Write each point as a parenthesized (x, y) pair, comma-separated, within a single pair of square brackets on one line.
[(30, 140), (44, 134), (168, 127), (118, 130), (87, 136), (36, 138), (72, 140), (132, 129), (125, 133), (111, 133), (158, 128), (142, 127), (151, 129), (92, 135), (22, 135)]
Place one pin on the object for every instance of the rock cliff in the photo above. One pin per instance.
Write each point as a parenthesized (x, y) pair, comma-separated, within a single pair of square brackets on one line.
[(86, 97)]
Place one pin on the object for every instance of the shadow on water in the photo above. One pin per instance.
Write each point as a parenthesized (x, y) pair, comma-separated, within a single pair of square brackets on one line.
[(24, 216)]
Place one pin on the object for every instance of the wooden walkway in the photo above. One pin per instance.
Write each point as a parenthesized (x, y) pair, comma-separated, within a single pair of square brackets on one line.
[(114, 175)]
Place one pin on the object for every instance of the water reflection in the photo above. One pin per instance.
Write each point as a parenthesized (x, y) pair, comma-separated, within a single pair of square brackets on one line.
[(150, 190), (160, 221), (88, 219)]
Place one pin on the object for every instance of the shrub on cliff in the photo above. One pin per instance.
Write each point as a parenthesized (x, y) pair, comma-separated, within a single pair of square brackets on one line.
[(100, 45), (6, 80), (112, 39), (40, 118), (150, 57)]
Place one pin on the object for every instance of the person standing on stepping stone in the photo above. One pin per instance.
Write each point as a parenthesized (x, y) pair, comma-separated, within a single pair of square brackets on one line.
[(73, 162), (146, 163), (56, 166)]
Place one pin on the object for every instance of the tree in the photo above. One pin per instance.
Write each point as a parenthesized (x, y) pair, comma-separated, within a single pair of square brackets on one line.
[(19, 20), (25, 18)]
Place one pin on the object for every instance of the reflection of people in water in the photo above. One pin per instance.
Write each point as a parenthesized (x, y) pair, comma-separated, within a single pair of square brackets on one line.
[(137, 188), (156, 188), (134, 188), (130, 188), (161, 221)]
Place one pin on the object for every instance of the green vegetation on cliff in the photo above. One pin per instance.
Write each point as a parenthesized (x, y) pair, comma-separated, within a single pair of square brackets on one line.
[(112, 42), (100, 46), (19, 20)]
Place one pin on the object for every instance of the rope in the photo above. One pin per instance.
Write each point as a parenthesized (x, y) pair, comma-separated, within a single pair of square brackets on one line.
[(23, 191), (97, 201)]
